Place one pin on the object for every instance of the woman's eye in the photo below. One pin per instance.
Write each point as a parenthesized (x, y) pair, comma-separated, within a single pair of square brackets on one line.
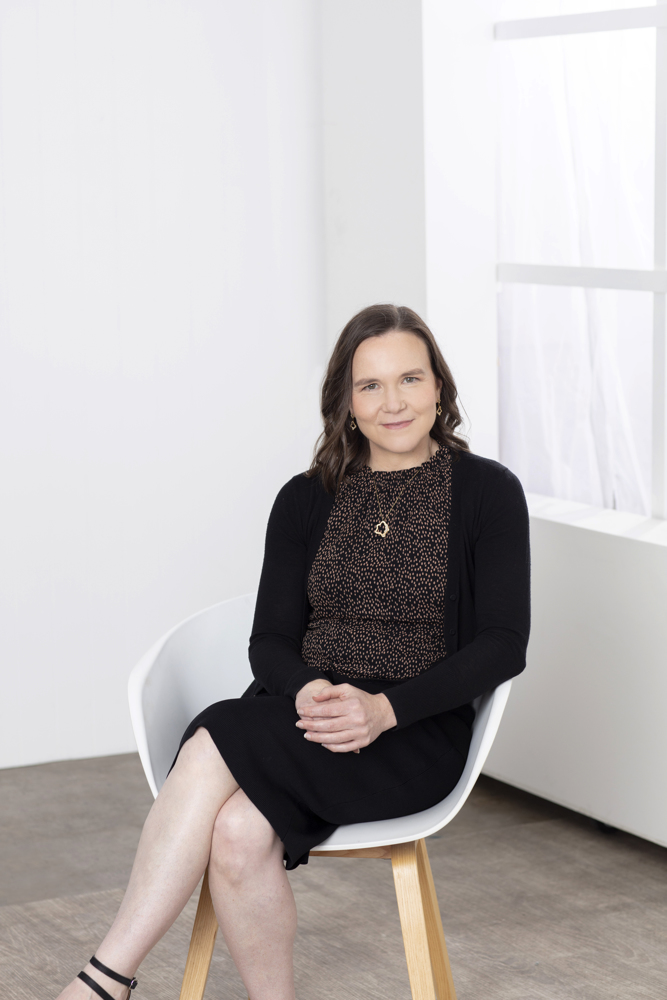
[(411, 378), (371, 385)]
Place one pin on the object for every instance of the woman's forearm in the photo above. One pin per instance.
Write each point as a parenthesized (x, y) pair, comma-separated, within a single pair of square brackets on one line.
[(494, 656), (277, 664)]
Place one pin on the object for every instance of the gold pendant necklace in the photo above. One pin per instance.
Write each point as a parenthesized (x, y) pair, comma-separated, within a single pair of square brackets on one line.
[(382, 527)]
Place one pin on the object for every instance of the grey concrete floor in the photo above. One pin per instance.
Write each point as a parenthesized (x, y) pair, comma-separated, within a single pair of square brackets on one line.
[(536, 901), (70, 827)]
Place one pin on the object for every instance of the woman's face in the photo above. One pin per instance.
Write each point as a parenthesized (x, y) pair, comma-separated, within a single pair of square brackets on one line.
[(394, 396)]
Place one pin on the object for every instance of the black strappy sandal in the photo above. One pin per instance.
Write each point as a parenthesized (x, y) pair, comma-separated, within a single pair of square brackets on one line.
[(101, 992)]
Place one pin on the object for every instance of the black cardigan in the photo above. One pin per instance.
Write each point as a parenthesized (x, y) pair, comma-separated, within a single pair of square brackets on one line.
[(487, 601)]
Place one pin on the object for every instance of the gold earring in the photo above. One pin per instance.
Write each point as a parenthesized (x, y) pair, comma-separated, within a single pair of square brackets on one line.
[(353, 424), (438, 408)]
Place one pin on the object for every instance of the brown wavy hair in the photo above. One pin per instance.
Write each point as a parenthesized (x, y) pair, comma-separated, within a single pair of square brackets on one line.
[(340, 451)]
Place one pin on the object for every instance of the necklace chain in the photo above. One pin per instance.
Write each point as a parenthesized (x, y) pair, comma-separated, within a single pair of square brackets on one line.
[(382, 527)]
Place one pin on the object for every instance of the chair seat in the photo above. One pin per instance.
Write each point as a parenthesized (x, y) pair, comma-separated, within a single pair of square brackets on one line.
[(382, 833)]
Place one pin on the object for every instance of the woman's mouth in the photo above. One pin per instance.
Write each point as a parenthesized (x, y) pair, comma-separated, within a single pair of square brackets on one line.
[(398, 425)]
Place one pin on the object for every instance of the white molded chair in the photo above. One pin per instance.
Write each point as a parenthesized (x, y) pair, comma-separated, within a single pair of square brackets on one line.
[(204, 660)]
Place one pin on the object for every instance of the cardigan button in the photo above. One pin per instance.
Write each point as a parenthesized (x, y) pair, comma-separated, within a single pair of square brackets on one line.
[(452, 597), (452, 631)]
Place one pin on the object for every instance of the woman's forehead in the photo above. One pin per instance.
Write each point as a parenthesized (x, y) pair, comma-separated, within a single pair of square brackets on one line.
[(391, 350)]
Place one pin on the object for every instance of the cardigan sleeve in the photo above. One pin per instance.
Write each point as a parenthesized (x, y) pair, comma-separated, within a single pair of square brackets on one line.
[(280, 612), (501, 560)]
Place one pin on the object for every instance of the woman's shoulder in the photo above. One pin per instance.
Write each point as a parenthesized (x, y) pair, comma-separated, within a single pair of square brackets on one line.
[(485, 478), (302, 505), (301, 495), (479, 467), (303, 488)]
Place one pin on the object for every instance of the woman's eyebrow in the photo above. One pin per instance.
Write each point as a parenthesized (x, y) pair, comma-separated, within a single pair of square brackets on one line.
[(413, 371)]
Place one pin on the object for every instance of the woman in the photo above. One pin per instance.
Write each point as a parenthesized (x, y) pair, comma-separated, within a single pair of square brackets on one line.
[(394, 591)]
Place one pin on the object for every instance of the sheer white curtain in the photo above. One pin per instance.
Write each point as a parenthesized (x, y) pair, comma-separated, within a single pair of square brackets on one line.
[(576, 148)]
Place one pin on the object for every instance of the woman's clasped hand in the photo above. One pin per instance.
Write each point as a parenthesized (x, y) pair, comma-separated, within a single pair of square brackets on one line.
[(342, 717)]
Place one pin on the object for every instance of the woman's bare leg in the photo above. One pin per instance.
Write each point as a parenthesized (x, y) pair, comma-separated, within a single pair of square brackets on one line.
[(253, 899), (172, 855)]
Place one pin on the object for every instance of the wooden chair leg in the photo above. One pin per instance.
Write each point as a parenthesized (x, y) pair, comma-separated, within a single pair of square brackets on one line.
[(201, 946), (405, 867), (442, 972)]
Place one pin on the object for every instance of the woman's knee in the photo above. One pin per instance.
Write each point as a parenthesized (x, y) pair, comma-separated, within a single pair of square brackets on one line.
[(243, 839)]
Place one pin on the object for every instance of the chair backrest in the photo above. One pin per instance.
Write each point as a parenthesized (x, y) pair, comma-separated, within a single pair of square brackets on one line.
[(204, 659)]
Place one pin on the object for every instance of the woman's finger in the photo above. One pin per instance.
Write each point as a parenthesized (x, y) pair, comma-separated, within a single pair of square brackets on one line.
[(342, 724), (322, 712), (334, 691), (352, 747), (326, 711), (344, 736), (333, 724), (325, 694), (324, 725)]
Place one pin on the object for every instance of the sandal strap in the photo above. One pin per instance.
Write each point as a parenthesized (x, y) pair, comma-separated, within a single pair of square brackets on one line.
[(130, 983), (101, 992)]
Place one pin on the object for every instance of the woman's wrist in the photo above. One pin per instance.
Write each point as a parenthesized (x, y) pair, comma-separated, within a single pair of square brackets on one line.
[(387, 710)]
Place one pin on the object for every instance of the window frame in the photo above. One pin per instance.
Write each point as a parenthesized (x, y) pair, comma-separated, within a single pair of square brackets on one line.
[(652, 280)]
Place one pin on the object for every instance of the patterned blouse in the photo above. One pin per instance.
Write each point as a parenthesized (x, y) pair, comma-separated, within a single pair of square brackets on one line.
[(378, 602)]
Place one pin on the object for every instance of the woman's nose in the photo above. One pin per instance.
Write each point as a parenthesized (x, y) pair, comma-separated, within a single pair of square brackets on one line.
[(393, 402)]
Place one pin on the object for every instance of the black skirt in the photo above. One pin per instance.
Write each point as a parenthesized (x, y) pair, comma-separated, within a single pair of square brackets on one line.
[(305, 791)]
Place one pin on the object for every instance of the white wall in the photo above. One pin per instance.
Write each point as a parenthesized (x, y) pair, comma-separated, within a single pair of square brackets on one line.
[(584, 725), (162, 333), (373, 156), (409, 147), (459, 131), (197, 196)]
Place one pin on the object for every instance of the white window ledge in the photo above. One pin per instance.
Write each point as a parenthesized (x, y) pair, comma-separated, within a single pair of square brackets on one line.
[(609, 522)]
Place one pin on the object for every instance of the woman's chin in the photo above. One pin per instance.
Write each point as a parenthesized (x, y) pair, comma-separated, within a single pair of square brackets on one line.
[(403, 442)]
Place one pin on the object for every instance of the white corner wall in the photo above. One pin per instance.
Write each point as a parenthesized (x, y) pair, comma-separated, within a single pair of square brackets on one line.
[(459, 134), (409, 178), (162, 333), (373, 156)]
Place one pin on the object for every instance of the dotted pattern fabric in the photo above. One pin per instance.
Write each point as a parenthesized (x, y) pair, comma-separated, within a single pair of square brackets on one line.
[(378, 603)]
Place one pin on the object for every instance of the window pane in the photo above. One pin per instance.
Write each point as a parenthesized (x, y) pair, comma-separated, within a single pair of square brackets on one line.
[(575, 393), (576, 149)]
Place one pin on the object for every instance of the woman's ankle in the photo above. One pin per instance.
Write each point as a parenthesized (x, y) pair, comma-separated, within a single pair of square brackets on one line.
[(117, 990)]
